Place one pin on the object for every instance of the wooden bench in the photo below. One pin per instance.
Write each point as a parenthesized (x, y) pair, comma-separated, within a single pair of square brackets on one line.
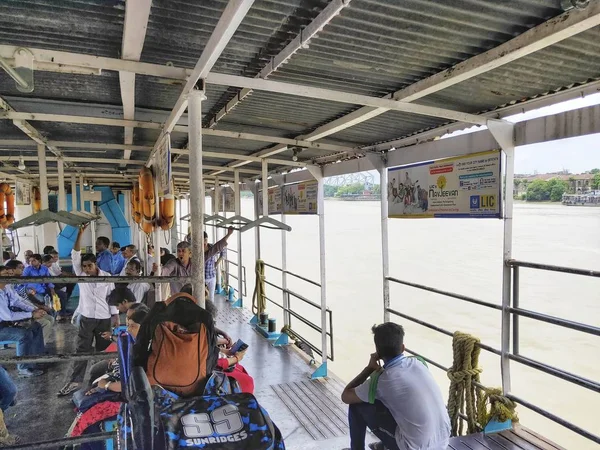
[(520, 438)]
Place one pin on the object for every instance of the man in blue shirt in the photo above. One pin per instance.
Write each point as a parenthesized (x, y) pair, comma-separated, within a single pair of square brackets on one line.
[(104, 258), (29, 338), (37, 269), (118, 260)]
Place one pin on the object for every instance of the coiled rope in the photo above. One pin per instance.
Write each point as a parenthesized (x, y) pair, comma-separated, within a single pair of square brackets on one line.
[(259, 297), (465, 397)]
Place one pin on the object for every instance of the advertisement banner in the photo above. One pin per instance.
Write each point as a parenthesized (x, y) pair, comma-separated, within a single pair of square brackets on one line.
[(228, 200), (300, 198), (163, 174), (23, 194), (274, 200), (464, 186)]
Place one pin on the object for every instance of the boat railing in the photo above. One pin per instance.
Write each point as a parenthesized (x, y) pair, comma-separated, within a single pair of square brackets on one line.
[(516, 312), (289, 311), (230, 274)]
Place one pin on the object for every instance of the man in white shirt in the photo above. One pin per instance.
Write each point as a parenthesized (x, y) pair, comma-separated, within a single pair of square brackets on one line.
[(95, 313), (129, 253), (400, 402), (139, 289)]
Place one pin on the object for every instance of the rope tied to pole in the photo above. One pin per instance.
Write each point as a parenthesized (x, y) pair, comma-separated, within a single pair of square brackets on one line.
[(463, 396), (466, 397), (259, 297)]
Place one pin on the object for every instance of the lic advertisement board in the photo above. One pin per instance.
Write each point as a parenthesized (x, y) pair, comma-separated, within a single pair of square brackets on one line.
[(464, 186), (299, 198)]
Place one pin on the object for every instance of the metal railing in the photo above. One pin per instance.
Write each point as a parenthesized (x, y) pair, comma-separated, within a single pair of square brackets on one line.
[(231, 275), (292, 313), (516, 311)]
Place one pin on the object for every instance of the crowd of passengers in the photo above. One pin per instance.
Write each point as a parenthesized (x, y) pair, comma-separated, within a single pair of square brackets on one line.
[(395, 396), (30, 310)]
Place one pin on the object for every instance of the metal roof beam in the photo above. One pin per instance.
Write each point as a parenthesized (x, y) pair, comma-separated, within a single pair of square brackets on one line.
[(232, 16), (299, 42), (87, 120), (137, 13)]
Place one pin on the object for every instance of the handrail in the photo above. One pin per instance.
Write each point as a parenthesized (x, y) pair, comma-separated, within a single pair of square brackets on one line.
[(67, 441), (298, 296), (446, 293), (313, 326), (300, 277), (438, 329), (556, 321), (61, 357), (565, 423), (551, 268), (562, 374), (85, 279)]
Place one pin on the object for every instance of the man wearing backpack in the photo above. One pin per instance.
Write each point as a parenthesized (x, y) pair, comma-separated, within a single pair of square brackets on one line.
[(96, 314), (400, 402)]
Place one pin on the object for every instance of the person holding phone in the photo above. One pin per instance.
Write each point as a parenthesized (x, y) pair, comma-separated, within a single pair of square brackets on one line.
[(399, 401), (230, 364)]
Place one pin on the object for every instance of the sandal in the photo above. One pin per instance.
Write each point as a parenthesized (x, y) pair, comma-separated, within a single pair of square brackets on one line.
[(68, 388)]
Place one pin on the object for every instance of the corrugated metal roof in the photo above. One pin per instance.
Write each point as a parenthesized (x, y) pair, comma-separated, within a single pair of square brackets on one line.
[(80, 26)]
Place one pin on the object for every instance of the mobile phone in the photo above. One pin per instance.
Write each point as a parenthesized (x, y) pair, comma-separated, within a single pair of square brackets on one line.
[(239, 346)]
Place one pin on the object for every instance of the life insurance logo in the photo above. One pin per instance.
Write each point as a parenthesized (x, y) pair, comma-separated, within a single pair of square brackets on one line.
[(222, 425), (482, 202)]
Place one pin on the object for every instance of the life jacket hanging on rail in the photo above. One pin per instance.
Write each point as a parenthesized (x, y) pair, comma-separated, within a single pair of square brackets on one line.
[(136, 203), (7, 216), (37, 199), (167, 210), (147, 199)]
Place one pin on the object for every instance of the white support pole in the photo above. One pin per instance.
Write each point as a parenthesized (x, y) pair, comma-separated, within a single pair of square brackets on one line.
[(286, 296), (41, 151), (256, 217), (504, 133), (62, 195), (81, 202), (385, 249), (321, 209), (265, 188), (216, 199), (238, 211), (74, 205), (197, 193)]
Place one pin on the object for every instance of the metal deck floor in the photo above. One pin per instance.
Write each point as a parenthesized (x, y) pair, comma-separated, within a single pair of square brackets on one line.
[(308, 412)]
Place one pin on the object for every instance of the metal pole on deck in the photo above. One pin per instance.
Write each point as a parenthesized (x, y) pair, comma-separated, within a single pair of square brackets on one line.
[(62, 195), (504, 133), (197, 193), (321, 209), (41, 150), (265, 188), (238, 211), (385, 247), (256, 217), (215, 207), (81, 204), (286, 296), (74, 193)]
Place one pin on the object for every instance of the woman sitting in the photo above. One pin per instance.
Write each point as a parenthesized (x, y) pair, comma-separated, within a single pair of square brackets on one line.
[(231, 366)]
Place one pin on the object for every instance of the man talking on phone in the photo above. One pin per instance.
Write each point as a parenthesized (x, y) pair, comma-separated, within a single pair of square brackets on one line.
[(399, 401)]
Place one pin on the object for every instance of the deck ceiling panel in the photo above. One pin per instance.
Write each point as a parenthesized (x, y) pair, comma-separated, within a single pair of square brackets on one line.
[(62, 131), (80, 26), (282, 115), (9, 131), (103, 88), (375, 47)]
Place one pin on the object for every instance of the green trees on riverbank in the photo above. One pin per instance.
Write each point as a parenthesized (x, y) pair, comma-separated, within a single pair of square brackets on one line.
[(541, 190), (350, 189)]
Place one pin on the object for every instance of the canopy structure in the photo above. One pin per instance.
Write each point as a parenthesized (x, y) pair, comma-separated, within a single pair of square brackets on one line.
[(74, 219), (298, 83)]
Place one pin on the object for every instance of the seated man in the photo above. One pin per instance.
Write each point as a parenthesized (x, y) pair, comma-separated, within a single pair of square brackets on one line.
[(400, 402), (121, 298), (139, 289), (38, 291), (16, 326), (20, 301), (60, 289), (8, 390), (57, 271)]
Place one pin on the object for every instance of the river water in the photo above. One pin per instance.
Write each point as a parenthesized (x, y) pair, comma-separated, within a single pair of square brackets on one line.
[(463, 256)]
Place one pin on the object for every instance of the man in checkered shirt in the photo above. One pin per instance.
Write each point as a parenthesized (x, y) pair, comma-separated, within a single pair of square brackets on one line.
[(211, 266)]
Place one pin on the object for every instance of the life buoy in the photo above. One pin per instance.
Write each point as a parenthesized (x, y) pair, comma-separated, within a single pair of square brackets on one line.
[(148, 200), (37, 199), (4, 187), (167, 212), (135, 204), (10, 207)]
